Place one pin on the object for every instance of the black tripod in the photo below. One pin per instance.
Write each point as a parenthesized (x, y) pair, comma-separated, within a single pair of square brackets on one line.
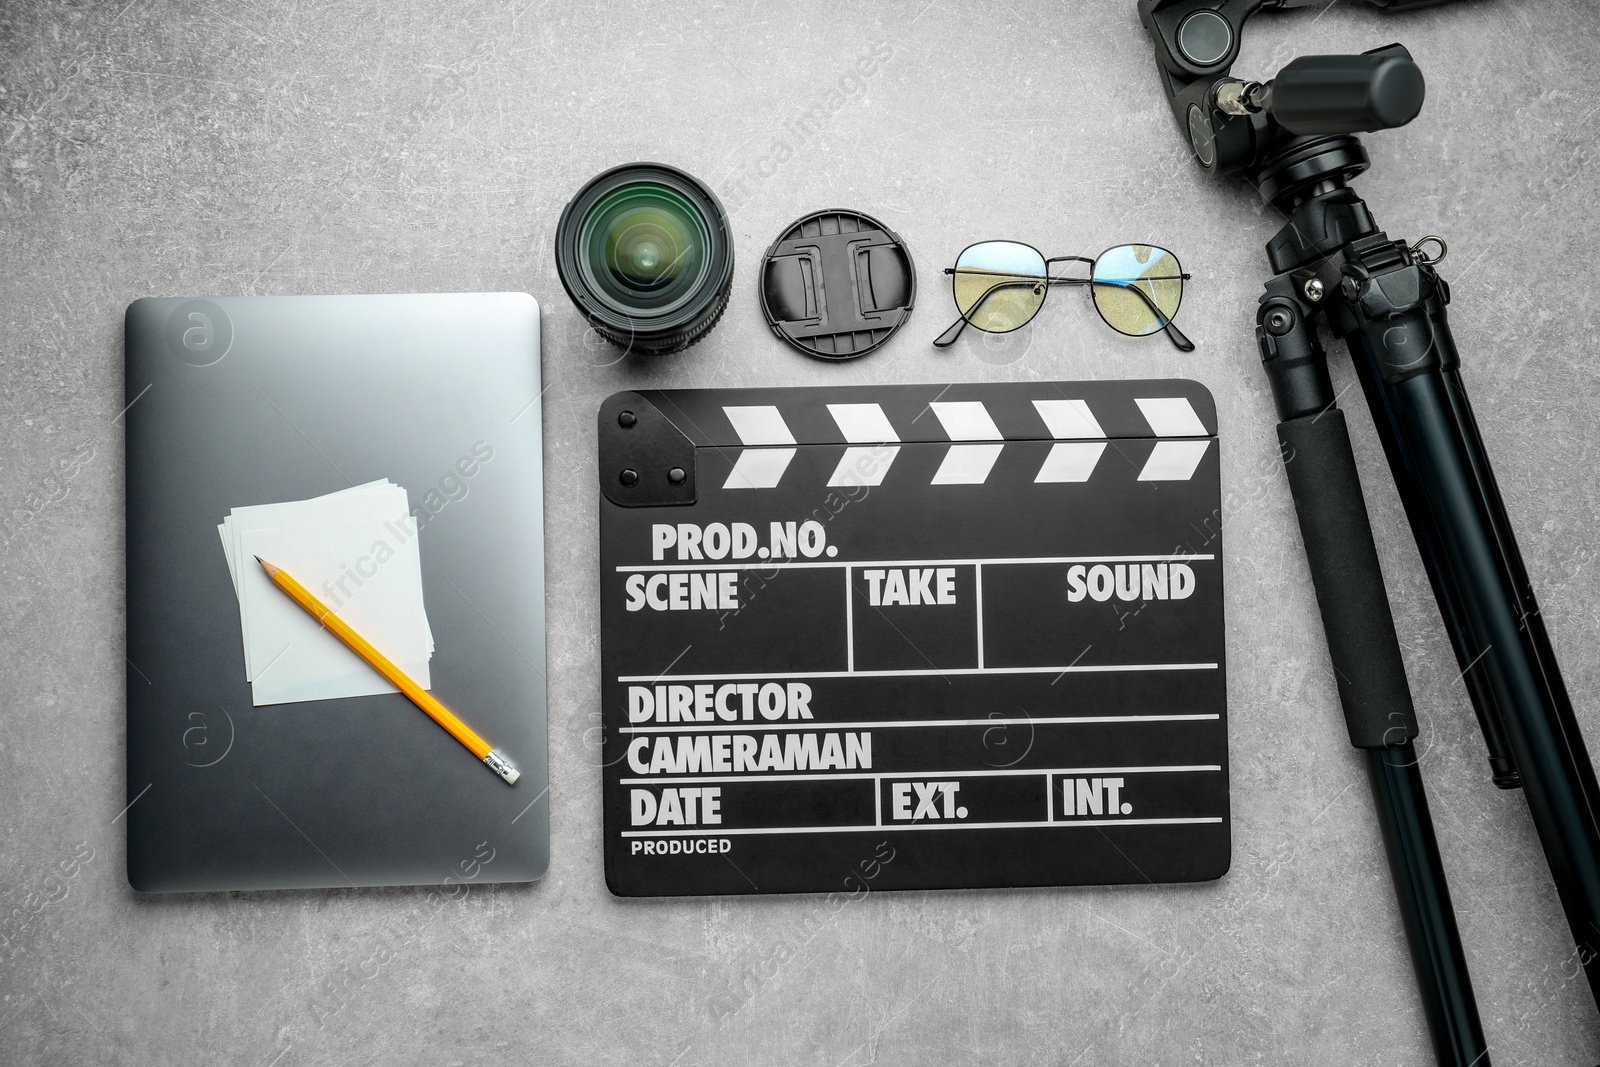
[(1292, 138), (1388, 303)]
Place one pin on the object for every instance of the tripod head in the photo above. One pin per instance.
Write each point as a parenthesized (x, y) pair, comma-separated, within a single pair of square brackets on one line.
[(1293, 134)]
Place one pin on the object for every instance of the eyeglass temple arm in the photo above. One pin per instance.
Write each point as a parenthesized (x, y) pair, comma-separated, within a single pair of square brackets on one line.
[(948, 338), (1175, 335)]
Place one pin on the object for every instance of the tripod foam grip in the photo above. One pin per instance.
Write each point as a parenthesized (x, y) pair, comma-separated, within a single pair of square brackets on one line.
[(1348, 580)]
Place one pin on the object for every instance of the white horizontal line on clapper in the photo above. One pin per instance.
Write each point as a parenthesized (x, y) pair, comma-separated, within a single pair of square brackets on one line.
[(737, 565), (879, 776), (932, 672), (1054, 720), (921, 826)]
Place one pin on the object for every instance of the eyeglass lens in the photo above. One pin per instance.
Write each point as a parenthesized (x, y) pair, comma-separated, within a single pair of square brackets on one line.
[(1137, 288), (999, 285)]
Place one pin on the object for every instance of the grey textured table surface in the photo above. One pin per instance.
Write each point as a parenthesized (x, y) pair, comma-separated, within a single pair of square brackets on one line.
[(174, 147)]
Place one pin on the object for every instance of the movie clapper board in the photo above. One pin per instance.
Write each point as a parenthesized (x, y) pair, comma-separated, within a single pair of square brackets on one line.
[(977, 628)]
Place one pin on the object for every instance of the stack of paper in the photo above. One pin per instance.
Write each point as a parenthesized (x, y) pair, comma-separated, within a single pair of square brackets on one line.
[(356, 551)]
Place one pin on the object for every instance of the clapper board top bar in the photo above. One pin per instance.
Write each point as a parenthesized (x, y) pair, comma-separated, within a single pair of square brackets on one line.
[(1162, 407), (968, 418)]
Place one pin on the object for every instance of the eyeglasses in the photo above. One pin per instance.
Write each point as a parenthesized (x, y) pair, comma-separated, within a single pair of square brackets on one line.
[(1000, 286)]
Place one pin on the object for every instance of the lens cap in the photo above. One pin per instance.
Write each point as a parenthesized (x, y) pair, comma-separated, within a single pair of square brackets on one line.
[(837, 284)]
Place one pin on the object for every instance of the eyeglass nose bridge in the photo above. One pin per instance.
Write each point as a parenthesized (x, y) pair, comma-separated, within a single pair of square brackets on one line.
[(1065, 277)]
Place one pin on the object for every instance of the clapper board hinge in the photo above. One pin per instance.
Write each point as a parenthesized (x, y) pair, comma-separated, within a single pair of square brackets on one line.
[(645, 461)]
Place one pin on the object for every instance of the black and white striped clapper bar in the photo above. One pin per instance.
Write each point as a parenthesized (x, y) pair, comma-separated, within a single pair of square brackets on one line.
[(951, 635)]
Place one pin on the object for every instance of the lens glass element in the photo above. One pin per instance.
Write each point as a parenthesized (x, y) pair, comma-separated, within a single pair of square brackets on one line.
[(1137, 288), (999, 285), (643, 246)]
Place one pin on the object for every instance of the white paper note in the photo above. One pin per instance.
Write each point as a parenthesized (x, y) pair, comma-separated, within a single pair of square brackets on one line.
[(357, 551)]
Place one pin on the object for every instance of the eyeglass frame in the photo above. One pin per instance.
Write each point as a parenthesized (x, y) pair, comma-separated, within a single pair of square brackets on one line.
[(1175, 335)]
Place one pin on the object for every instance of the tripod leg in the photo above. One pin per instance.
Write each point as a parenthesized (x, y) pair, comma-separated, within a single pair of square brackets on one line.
[(1366, 660), (1400, 341), (1378, 711), (1425, 908)]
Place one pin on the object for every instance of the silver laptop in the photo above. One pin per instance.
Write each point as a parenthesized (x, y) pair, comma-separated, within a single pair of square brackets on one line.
[(258, 400)]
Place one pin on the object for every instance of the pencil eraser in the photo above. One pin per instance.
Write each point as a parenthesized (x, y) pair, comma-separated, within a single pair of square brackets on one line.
[(503, 767)]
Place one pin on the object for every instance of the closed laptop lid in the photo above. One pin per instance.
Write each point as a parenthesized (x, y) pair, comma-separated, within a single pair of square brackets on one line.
[(257, 400)]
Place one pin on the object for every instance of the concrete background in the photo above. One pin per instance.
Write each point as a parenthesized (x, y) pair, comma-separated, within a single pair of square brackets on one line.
[(174, 147)]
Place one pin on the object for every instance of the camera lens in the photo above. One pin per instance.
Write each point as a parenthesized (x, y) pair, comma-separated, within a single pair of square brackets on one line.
[(644, 251)]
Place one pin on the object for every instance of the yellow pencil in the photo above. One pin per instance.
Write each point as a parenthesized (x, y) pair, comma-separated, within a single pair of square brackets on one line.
[(419, 696)]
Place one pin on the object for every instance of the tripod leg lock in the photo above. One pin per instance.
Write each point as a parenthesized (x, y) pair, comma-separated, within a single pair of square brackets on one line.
[(1396, 303), (1296, 365)]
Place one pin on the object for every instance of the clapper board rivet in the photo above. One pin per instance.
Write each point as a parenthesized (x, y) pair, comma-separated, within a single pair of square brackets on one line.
[(627, 419), (676, 475), (629, 477)]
